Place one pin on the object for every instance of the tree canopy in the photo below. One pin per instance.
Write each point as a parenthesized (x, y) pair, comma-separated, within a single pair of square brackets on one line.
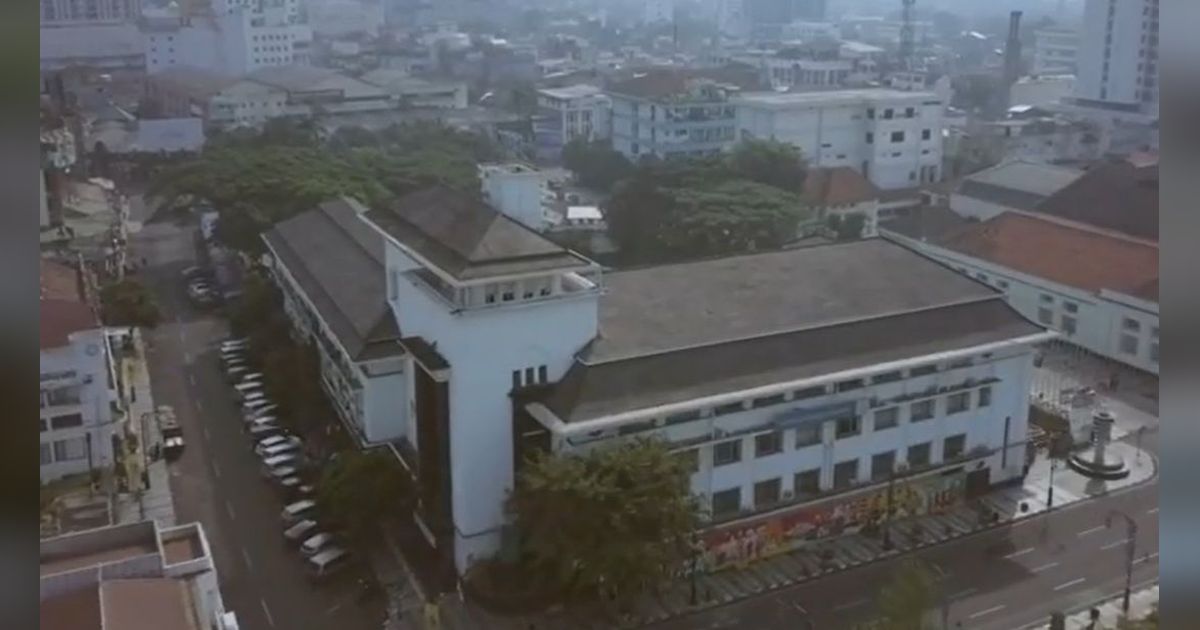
[(357, 490), (909, 601), (612, 522), (595, 164), (769, 162), (128, 303)]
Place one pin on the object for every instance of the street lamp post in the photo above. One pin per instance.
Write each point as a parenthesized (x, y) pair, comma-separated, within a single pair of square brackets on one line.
[(887, 513), (1130, 543), (1050, 486)]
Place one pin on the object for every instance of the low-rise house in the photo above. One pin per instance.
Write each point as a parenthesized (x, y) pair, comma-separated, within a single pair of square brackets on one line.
[(1011, 185), (411, 91), (576, 112), (842, 191)]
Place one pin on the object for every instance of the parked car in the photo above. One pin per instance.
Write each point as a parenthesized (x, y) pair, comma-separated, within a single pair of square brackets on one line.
[(295, 488), (264, 430), (281, 473), (328, 563), (261, 412), (277, 445), (273, 440), (251, 377), (283, 459), (243, 391), (300, 531), (255, 402), (293, 513), (315, 544)]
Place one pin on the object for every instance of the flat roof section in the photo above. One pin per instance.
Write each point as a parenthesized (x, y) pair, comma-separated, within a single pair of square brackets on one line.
[(147, 604), (799, 99), (78, 610), (183, 548), (661, 309), (105, 556)]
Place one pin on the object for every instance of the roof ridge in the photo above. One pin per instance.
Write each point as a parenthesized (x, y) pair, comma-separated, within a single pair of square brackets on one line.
[(1082, 227)]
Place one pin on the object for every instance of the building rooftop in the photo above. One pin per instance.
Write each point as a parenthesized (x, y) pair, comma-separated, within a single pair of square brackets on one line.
[(1017, 184), (659, 83), (466, 238), (773, 317), (782, 100), (338, 260), (926, 223), (62, 308), (195, 82), (581, 90), (1068, 253), (302, 78), (147, 604), (1117, 195), (836, 186), (91, 42)]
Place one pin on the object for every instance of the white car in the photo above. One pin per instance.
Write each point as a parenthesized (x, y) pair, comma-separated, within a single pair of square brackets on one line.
[(283, 448), (300, 531), (273, 440), (316, 543)]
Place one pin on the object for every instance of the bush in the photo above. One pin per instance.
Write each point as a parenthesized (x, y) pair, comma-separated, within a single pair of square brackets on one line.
[(128, 303)]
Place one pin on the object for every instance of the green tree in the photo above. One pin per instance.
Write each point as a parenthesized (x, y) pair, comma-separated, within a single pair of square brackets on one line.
[(769, 162), (847, 227), (612, 522), (128, 303), (595, 164), (909, 601), (357, 490)]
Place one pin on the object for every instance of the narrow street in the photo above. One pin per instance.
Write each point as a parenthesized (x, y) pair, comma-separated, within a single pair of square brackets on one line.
[(217, 479), (1004, 579)]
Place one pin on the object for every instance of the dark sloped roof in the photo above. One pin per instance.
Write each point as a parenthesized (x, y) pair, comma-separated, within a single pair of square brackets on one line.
[(657, 83), (838, 185), (925, 222), (466, 238), (1118, 196), (591, 391), (338, 261), (1017, 184), (668, 307)]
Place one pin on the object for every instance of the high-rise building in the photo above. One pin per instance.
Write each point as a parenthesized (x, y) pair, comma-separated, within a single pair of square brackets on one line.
[(230, 37), (80, 12), (1118, 55)]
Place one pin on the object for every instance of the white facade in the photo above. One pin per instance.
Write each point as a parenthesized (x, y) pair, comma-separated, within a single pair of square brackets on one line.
[(1118, 54), (79, 12), (77, 392), (1055, 51), (582, 112), (236, 41), (255, 100), (517, 190), (1113, 325), (1041, 90), (658, 11), (700, 123), (893, 138)]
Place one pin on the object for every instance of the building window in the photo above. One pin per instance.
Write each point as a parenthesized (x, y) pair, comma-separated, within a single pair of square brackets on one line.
[(1002, 284), (1070, 307), (68, 421), (887, 377), (882, 465), (682, 417), (1154, 332), (918, 455), (870, 138), (910, 112), (726, 453), (766, 493), (808, 434), (541, 374), (807, 484), (529, 376), (727, 408), (954, 447), (1154, 351), (1132, 325), (958, 403), (42, 425), (985, 396), (46, 454), (926, 134), (921, 410), (897, 136), (1129, 344), (1068, 324), (846, 386), (516, 379), (871, 113), (68, 395), (726, 503), (767, 401), (1045, 316), (689, 458), (887, 418), (1046, 299), (69, 450), (887, 114), (845, 474), (768, 444), (923, 370), (848, 427), (809, 392)]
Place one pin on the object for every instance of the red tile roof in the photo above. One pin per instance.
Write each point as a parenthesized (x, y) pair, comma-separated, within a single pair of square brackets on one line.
[(58, 281), (838, 185), (62, 308), (1067, 253)]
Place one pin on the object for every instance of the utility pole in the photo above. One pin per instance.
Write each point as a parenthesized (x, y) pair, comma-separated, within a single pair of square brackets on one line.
[(907, 35), (1130, 543)]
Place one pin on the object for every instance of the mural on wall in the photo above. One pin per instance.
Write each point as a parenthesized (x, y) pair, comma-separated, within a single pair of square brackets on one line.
[(750, 540)]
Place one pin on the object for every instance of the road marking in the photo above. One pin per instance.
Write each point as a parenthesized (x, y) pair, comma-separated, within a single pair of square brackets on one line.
[(182, 338), (207, 437), (192, 379), (964, 593), (187, 358), (246, 557), (1091, 530), (334, 608), (1069, 584), (1144, 558), (986, 611), (216, 469), (1044, 567), (267, 612), (1018, 553), (229, 508), (854, 604), (1114, 545), (199, 406), (1152, 510)]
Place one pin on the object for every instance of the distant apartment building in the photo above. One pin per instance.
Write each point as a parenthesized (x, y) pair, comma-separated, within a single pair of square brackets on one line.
[(138, 575), (674, 113), (1118, 58), (78, 389), (80, 12), (893, 138), (1055, 51), (231, 37), (516, 190), (575, 112), (1013, 185)]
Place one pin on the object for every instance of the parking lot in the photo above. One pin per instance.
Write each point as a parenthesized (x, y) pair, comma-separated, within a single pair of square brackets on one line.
[(218, 479)]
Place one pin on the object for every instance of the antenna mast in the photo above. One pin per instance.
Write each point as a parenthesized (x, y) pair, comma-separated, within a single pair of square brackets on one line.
[(906, 34)]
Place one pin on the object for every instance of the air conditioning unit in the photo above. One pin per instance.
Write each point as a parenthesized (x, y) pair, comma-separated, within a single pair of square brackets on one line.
[(787, 494)]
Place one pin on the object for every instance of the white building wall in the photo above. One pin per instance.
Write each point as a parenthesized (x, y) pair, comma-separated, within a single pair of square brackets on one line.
[(386, 414), (515, 190), (84, 363), (1120, 44), (1098, 320), (972, 207), (1055, 51)]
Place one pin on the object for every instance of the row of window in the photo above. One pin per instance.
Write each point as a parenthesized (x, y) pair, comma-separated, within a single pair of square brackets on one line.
[(529, 376), (72, 449), (806, 485), (889, 113), (56, 423), (810, 434), (66, 395), (898, 136)]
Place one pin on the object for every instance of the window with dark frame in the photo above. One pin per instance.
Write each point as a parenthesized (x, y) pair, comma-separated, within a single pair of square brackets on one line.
[(921, 410), (958, 403), (882, 465), (985, 396), (887, 418), (849, 426), (808, 434), (954, 447), (726, 503), (768, 444), (806, 484), (845, 474), (67, 421), (918, 455), (767, 493), (725, 453)]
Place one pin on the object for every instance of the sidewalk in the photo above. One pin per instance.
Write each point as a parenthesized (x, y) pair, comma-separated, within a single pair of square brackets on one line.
[(848, 551), (156, 502), (1141, 603)]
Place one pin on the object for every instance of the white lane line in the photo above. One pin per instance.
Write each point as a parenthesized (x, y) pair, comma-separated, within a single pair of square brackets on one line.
[(246, 557), (267, 612), (1019, 553), (216, 469), (1114, 545), (192, 379), (1145, 558), (1152, 510), (187, 358), (854, 604), (1090, 530), (199, 406), (1044, 567), (986, 611), (207, 437), (1069, 584), (229, 508), (182, 338), (964, 593)]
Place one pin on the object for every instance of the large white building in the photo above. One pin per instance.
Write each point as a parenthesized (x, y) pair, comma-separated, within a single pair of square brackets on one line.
[(795, 381), (1118, 55), (1055, 51), (78, 386), (894, 138), (576, 112), (231, 37), (80, 12)]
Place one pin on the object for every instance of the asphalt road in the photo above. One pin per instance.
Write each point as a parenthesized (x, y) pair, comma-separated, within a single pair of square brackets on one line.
[(1004, 579), (217, 481)]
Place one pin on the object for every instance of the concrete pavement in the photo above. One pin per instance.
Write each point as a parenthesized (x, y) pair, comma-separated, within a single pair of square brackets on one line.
[(1141, 603)]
